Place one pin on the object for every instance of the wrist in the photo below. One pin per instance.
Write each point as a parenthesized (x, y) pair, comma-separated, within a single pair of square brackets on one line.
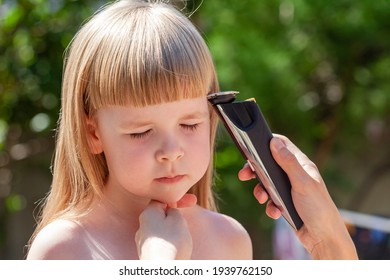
[(335, 248), (328, 243)]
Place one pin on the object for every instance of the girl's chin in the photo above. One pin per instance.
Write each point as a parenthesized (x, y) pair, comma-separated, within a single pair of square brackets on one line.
[(171, 200)]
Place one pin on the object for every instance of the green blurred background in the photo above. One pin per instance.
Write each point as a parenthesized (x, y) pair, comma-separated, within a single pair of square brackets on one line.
[(320, 71)]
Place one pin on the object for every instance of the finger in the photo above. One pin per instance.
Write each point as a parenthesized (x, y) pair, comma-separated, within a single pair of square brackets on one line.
[(173, 213), (175, 217), (286, 155), (188, 200), (260, 194), (246, 173), (272, 211), (155, 208)]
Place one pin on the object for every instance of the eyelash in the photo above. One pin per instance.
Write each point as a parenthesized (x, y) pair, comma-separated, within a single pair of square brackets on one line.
[(188, 127), (140, 135)]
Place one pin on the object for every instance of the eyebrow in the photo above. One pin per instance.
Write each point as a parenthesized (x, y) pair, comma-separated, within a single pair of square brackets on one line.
[(196, 115), (189, 116)]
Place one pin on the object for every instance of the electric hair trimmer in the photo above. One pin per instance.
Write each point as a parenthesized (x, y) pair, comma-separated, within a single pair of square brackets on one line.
[(252, 135)]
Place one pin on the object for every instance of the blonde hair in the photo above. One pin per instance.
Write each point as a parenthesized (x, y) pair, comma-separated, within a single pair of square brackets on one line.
[(129, 53)]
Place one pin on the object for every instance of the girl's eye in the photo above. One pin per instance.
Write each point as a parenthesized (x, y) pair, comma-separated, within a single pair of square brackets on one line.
[(190, 127), (140, 135)]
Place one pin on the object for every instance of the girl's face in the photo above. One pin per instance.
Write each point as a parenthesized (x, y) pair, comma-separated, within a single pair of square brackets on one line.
[(156, 152)]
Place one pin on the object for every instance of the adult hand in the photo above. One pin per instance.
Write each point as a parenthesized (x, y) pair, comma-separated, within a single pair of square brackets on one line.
[(163, 231), (324, 233)]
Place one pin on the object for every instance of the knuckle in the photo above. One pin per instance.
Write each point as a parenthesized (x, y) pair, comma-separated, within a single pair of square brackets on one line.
[(288, 156), (310, 167)]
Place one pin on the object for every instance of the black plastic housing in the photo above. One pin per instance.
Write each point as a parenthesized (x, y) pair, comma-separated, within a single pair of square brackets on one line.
[(249, 130)]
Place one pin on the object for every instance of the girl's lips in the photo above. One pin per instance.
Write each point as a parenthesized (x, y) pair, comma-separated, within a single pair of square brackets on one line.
[(170, 180)]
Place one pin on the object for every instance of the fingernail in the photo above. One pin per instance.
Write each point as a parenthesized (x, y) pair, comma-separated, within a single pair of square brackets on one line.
[(279, 144)]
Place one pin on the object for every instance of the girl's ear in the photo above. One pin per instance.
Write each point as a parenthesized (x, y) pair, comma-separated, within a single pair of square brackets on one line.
[(94, 142)]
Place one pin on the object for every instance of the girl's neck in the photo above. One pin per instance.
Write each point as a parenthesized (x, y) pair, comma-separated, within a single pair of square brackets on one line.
[(121, 206), (118, 211)]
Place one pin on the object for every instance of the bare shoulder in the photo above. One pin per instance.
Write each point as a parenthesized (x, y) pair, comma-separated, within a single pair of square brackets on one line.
[(59, 240), (222, 232)]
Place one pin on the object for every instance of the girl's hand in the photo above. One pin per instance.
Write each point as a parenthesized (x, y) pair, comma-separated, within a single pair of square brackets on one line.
[(163, 231), (324, 233)]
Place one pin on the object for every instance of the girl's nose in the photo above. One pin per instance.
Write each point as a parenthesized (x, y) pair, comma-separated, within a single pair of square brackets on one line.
[(169, 151)]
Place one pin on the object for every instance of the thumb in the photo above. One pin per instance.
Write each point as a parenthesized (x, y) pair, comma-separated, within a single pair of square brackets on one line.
[(153, 210), (297, 165), (286, 158)]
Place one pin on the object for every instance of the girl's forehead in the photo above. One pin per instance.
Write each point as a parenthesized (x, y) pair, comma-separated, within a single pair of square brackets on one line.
[(195, 108)]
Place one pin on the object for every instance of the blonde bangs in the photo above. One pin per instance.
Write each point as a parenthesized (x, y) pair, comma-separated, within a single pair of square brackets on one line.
[(145, 58)]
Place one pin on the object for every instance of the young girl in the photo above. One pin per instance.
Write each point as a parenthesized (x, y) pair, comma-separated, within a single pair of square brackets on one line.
[(133, 163), (135, 127)]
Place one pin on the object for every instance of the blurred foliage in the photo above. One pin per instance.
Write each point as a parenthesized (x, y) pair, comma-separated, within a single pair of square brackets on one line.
[(33, 37), (320, 72), (318, 69)]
